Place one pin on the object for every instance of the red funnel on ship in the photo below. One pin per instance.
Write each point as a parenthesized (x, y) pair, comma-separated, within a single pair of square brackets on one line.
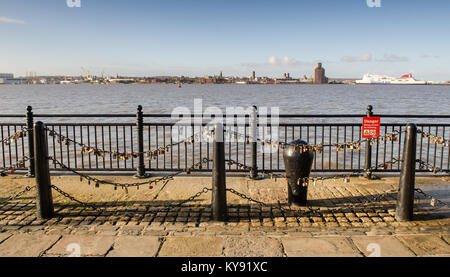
[(407, 76)]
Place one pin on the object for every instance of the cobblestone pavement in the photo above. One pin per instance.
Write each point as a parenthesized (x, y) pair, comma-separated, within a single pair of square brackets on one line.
[(353, 218)]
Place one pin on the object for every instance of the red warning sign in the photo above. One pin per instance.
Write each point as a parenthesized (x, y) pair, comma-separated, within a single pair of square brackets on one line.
[(371, 127)]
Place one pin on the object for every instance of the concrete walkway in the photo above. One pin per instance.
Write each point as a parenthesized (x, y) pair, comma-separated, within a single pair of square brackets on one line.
[(344, 223), (277, 244)]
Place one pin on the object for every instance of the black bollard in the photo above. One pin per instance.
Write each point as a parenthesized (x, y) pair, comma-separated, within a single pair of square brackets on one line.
[(31, 168), (219, 196), (44, 199), (253, 141), (140, 129), (298, 163), (405, 198)]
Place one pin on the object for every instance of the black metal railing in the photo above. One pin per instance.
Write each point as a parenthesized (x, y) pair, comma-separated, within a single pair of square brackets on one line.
[(148, 132)]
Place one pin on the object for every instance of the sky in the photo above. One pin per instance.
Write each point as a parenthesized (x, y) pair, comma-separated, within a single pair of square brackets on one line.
[(198, 38)]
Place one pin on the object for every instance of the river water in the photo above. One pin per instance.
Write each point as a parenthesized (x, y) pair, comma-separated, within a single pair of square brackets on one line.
[(157, 99), (291, 99)]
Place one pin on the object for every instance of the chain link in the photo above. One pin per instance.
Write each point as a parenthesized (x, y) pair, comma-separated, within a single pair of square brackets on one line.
[(10, 170), (13, 138), (423, 165), (190, 199), (65, 194), (152, 154), (434, 200), (126, 186), (27, 189)]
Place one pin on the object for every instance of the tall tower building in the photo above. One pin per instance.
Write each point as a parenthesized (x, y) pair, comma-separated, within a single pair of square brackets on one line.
[(319, 75), (253, 75)]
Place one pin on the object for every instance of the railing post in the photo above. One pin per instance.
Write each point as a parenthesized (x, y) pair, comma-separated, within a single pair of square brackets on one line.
[(140, 128), (405, 198), (253, 141), (44, 199), (219, 196), (30, 123), (368, 165)]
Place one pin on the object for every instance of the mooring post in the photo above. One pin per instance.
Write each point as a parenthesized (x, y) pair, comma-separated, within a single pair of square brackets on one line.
[(30, 123), (253, 141), (44, 199), (219, 196), (405, 198), (368, 165), (140, 129)]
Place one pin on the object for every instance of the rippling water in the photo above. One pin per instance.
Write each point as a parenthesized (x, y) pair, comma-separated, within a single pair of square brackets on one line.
[(291, 99), (299, 99)]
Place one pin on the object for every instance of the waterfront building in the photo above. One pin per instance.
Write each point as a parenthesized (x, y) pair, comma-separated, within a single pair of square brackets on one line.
[(319, 75), (8, 79), (6, 76)]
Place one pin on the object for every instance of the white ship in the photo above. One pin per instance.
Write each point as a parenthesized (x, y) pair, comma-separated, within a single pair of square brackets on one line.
[(407, 79)]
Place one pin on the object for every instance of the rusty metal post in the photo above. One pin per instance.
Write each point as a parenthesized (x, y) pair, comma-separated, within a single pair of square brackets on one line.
[(253, 141), (368, 164), (140, 129), (30, 123), (219, 196), (405, 198), (44, 199)]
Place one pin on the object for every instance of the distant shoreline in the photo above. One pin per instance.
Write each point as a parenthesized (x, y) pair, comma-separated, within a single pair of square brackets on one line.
[(236, 84)]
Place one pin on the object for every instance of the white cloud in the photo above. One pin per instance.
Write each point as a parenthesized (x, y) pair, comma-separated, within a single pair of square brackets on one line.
[(367, 57), (286, 61), (4, 19), (393, 58), (428, 56)]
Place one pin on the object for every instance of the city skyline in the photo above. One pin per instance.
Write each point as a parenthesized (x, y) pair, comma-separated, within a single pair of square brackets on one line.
[(198, 38)]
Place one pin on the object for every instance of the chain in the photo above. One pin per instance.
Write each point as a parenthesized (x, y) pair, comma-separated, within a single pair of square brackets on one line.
[(27, 189), (434, 139), (65, 194), (12, 168), (128, 185), (353, 145), (190, 199), (13, 138), (428, 166), (160, 190), (434, 201), (152, 154)]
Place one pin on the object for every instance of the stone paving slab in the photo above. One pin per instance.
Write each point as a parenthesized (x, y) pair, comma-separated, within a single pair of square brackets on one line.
[(4, 236), (89, 245), (426, 245), (27, 245), (252, 247), (341, 213), (204, 246), (134, 246), (446, 238), (381, 246), (319, 247)]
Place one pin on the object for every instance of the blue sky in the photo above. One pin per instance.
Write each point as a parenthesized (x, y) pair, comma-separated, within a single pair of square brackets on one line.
[(196, 37)]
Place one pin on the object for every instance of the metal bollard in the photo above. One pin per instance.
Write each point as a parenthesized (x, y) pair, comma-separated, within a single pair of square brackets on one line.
[(368, 165), (140, 128), (405, 198), (219, 197), (31, 168), (253, 141), (298, 164), (44, 199)]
